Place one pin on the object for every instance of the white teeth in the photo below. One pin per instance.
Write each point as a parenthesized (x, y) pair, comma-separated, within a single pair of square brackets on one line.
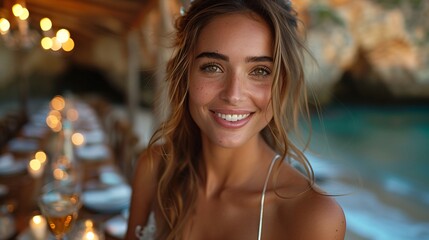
[(232, 117)]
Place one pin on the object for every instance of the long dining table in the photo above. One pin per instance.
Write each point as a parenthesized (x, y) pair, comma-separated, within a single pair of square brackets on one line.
[(105, 190)]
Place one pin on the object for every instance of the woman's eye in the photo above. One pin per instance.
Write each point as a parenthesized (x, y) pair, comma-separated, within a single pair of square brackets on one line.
[(261, 71), (211, 68)]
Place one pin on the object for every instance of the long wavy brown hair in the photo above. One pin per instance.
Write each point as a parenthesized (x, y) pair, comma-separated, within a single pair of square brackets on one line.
[(180, 137)]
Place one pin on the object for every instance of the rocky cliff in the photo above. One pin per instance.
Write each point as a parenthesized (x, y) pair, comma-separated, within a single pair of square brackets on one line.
[(371, 48)]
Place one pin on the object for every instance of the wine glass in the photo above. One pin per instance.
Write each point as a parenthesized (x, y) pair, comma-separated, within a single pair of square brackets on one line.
[(60, 204)]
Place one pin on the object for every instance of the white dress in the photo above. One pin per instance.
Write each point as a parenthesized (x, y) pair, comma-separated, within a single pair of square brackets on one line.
[(148, 232)]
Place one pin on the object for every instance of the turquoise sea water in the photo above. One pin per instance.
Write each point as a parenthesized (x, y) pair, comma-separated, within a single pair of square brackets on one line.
[(378, 157)]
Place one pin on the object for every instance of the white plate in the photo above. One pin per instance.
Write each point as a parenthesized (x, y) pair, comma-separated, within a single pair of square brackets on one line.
[(8, 165), (96, 152), (94, 136), (111, 178), (110, 200), (23, 145), (33, 131), (17, 167), (116, 227)]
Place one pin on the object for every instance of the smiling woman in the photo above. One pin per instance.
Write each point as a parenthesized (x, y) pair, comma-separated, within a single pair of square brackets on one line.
[(217, 167)]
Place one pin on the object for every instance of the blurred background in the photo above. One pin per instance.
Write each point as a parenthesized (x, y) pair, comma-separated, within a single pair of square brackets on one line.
[(368, 80)]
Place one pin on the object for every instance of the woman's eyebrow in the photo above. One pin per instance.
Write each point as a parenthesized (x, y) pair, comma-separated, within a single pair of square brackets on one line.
[(219, 56), (213, 55), (259, 59)]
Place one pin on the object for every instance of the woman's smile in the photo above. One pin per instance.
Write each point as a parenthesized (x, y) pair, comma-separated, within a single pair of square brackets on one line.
[(231, 120)]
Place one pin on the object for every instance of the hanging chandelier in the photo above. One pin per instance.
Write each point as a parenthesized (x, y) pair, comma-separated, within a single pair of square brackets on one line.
[(16, 32)]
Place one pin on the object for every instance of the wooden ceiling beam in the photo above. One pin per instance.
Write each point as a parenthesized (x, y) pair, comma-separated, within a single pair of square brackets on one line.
[(88, 20), (88, 32), (82, 8), (59, 20)]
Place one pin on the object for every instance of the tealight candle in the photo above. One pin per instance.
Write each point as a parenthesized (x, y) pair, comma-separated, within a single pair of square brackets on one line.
[(90, 231), (38, 227), (35, 168), (90, 235)]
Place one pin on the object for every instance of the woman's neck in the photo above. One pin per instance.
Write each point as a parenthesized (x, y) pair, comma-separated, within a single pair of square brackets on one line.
[(234, 168)]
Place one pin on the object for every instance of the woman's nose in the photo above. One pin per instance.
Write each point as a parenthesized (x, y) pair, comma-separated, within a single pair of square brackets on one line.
[(233, 89)]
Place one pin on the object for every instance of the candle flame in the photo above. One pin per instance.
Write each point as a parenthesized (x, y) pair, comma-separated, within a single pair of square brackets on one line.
[(37, 219)]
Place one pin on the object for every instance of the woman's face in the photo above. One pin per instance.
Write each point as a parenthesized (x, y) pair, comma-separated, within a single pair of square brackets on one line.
[(230, 79)]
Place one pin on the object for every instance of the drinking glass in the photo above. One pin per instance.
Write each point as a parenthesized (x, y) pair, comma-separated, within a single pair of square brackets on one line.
[(60, 204)]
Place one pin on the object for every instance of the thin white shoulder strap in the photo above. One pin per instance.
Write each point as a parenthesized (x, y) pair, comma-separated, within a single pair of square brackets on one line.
[(261, 214)]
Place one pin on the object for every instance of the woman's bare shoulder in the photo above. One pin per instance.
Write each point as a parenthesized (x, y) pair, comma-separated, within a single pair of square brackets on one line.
[(314, 214), (148, 162), (323, 215), (145, 173), (144, 182), (144, 187)]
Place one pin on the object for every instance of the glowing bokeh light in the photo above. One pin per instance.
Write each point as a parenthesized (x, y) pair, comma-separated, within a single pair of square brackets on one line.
[(59, 174), (4, 25), (68, 45), (35, 164), (41, 156), (58, 128), (58, 103), (63, 35), (78, 139), (56, 114), (45, 24), (17, 10), (52, 121), (56, 45), (46, 43), (89, 223), (37, 219), (90, 235), (24, 14)]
